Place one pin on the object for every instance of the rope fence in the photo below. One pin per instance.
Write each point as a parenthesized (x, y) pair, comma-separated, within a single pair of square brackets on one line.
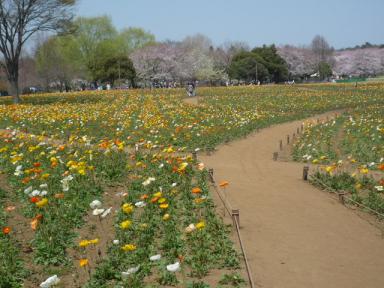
[(235, 215)]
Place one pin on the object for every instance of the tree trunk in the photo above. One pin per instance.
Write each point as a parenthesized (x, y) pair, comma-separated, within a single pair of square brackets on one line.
[(15, 90), (12, 69)]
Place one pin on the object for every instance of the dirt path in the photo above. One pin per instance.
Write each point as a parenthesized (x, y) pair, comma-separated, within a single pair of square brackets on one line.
[(295, 235)]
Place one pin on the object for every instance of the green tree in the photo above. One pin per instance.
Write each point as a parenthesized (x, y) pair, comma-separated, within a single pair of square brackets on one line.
[(134, 38), (57, 60), (96, 38), (116, 67), (22, 19), (275, 64), (325, 70)]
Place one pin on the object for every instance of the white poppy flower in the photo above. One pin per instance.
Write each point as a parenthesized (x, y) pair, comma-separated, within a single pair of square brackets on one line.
[(51, 281), (174, 185), (28, 190), (95, 204), (379, 188), (130, 271), (140, 204), (173, 267), (155, 257), (35, 193), (116, 242), (43, 193), (43, 186), (190, 228), (97, 211), (106, 212)]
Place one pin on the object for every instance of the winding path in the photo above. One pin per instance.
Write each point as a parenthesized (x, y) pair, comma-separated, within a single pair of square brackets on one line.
[(295, 235)]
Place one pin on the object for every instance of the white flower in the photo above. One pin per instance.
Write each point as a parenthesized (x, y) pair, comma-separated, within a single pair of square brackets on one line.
[(97, 212), (197, 149), (116, 242), (18, 171), (148, 181), (161, 165), (155, 257), (174, 185), (190, 228), (42, 186), (35, 193), (43, 193), (106, 212), (140, 204), (173, 267), (28, 190), (130, 271), (371, 164), (95, 204), (379, 188), (51, 281)]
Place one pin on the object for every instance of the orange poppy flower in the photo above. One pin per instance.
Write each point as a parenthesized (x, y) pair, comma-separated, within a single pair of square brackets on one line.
[(224, 184), (381, 167), (34, 223), (59, 196), (10, 208), (36, 164), (83, 262), (196, 190), (143, 197), (155, 199), (26, 180), (7, 230)]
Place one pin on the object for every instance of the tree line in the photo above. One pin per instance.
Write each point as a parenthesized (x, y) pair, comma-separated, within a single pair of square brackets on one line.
[(85, 52)]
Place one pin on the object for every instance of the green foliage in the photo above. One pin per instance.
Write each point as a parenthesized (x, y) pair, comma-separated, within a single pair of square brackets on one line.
[(325, 70), (263, 64), (113, 68)]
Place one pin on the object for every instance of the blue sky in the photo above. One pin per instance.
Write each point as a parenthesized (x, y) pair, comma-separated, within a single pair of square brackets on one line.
[(342, 22)]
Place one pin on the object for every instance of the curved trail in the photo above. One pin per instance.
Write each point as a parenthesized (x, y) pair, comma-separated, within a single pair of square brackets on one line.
[(295, 235)]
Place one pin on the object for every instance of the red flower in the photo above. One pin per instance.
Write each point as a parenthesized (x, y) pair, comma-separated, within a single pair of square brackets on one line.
[(35, 199), (36, 164), (7, 230)]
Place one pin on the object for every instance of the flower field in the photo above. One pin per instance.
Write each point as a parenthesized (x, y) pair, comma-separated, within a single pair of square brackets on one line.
[(100, 189), (349, 151)]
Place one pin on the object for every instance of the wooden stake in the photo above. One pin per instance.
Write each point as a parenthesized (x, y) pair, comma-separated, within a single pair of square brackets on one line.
[(287, 139), (236, 217), (305, 173), (341, 197), (275, 155), (194, 156), (210, 172), (281, 145)]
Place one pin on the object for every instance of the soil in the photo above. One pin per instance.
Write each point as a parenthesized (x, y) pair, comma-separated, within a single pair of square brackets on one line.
[(294, 234)]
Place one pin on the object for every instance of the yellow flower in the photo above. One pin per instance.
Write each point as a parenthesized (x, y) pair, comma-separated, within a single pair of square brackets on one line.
[(84, 243), (125, 224), (157, 194), (200, 225), (166, 217), (164, 206), (128, 247), (42, 202), (315, 161), (127, 208), (161, 200), (83, 262), (364, 170), (94, 241), (45, 176), (81, 172)]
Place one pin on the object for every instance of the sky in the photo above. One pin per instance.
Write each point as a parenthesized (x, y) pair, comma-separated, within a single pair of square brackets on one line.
[(344, 23)]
